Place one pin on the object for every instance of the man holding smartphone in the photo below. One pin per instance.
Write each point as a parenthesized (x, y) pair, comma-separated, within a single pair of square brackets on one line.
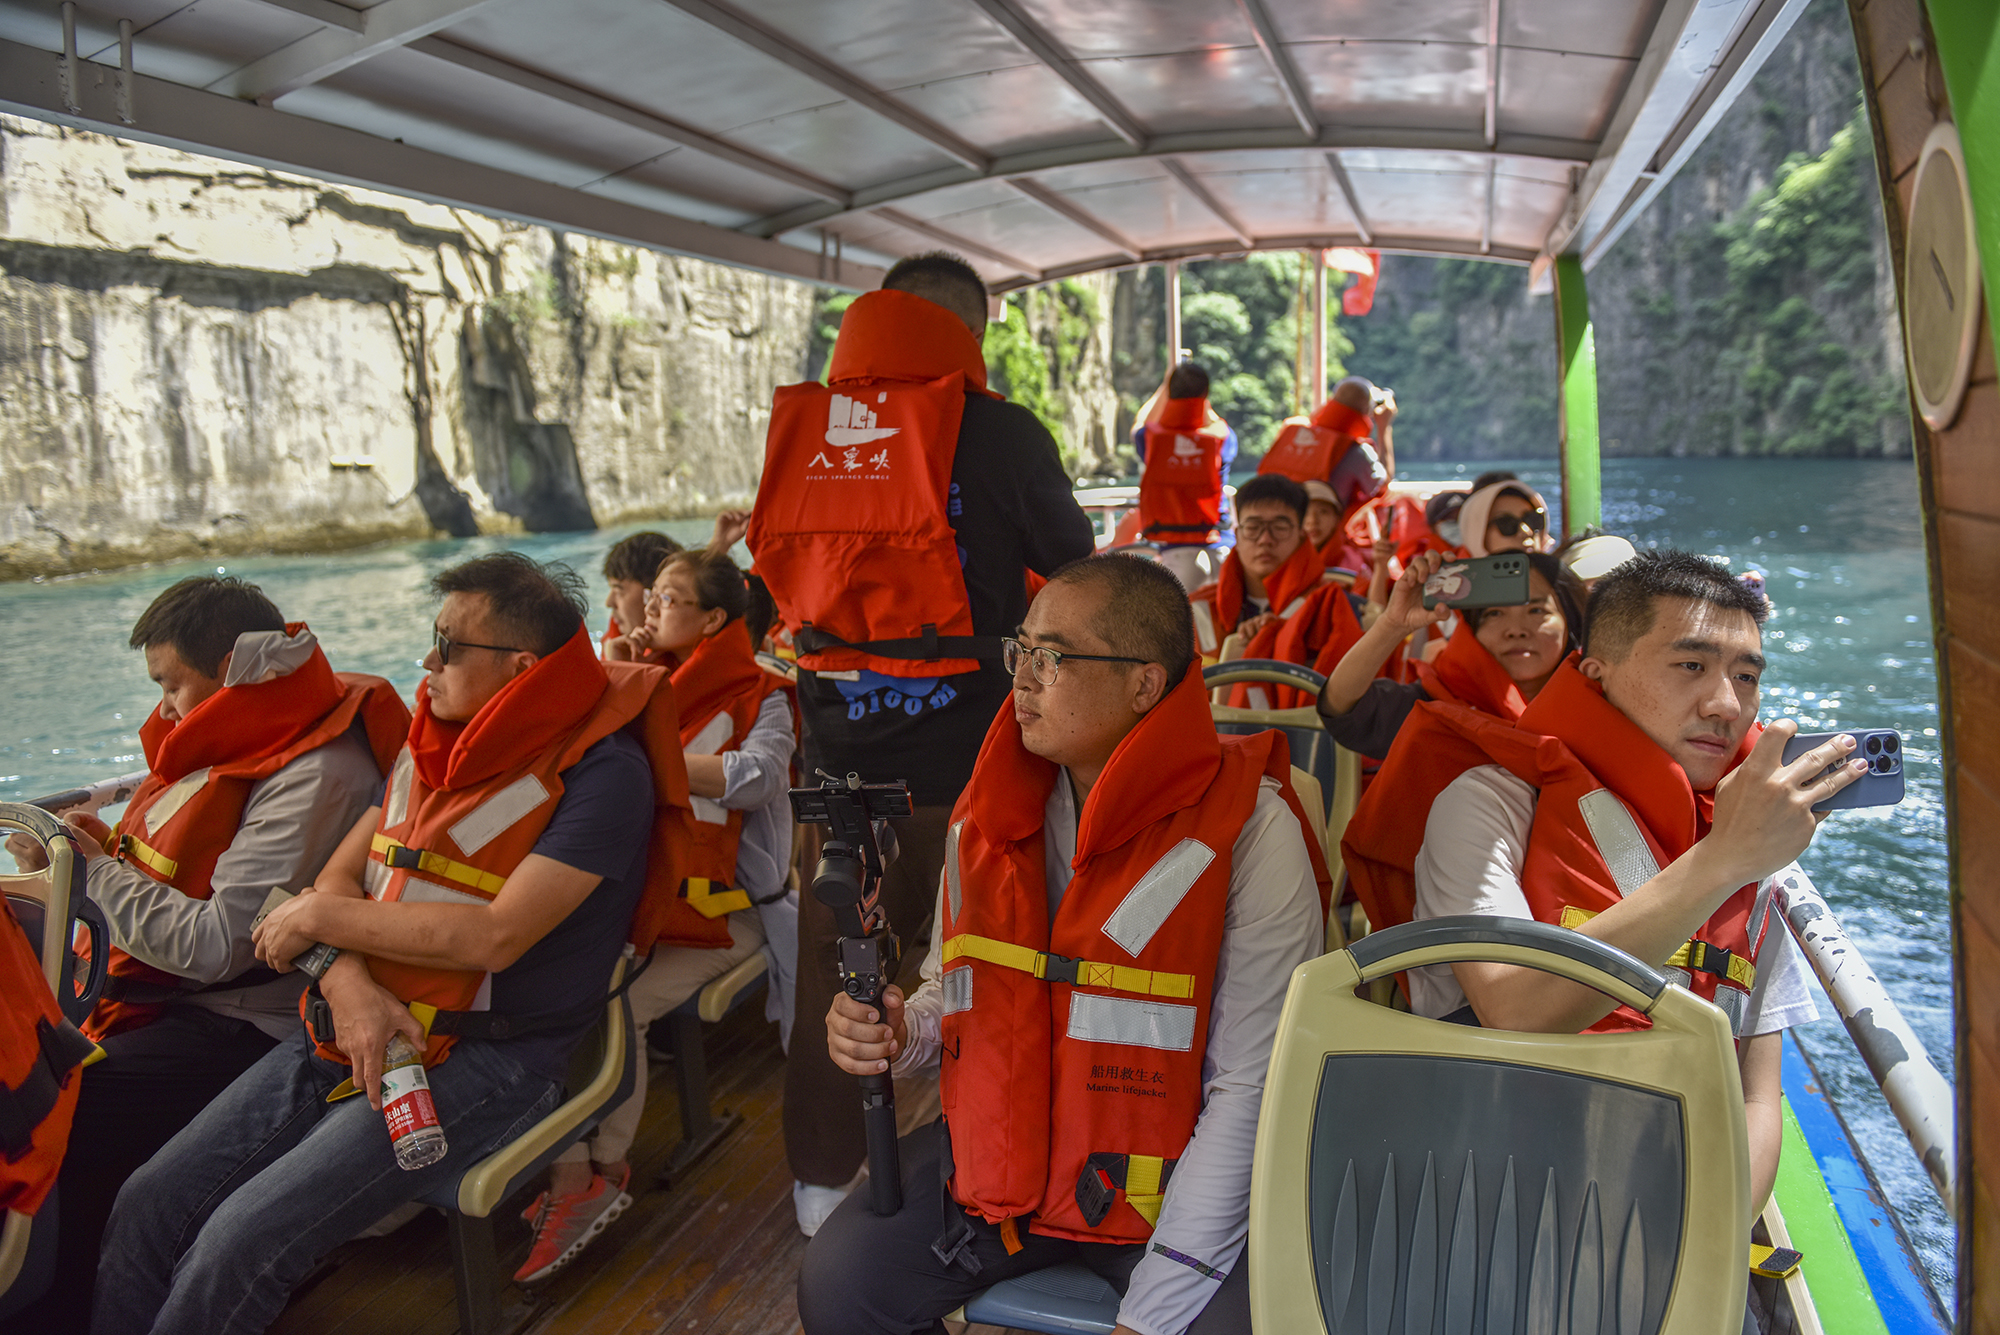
[(1633, 802)]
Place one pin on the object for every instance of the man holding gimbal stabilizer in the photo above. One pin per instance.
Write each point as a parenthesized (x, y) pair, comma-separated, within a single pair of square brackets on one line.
[(1102, 990)]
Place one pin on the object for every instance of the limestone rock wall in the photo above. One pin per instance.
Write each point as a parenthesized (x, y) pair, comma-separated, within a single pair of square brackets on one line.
[(200, 356)]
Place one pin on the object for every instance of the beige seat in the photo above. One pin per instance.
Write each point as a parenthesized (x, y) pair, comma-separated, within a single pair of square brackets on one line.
[(600, 1079), (1408, 1170), (45, 903), (702, 1127)]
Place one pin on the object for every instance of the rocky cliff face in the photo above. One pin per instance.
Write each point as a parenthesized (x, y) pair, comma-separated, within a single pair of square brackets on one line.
[(197, 356)]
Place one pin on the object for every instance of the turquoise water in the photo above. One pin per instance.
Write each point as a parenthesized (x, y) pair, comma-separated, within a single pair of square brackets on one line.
[(1850, 645)]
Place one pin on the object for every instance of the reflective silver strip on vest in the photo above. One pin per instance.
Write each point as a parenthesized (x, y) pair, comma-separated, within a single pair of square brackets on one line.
[(396, 806), (1293, 608), (1618, 840), (1149, 903), (417, 890), (178, 795), (492, 817), (956, 985), (1257, 698), (1204, 627), (709, 741), (374, 878), (1144, 1024), (952, 874)]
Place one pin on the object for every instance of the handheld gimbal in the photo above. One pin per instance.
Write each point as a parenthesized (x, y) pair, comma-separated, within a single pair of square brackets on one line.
[(848, 880)]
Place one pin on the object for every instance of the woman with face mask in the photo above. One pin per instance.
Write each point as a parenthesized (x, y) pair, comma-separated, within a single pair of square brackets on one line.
[(1498, 661)]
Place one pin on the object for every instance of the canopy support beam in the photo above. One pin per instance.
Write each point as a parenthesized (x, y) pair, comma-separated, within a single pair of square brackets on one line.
[(1173, 314), (1192, 183), (1083, 218), (327, 51), (1316, 379), (1297, 96), (1340, 178), (1576, 367), (1066, 67)]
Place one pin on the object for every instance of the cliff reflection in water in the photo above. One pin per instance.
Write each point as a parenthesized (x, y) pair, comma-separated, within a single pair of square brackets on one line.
[(1850, 645)]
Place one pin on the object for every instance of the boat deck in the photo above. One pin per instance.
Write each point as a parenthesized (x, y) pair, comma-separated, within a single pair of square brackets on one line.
[(715, 1253)]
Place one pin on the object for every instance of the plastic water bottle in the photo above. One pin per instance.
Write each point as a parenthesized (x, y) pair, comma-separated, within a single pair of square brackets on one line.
[(407, 1106)]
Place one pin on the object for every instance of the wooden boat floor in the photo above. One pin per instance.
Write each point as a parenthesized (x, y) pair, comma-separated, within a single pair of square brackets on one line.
[(717, 1252)]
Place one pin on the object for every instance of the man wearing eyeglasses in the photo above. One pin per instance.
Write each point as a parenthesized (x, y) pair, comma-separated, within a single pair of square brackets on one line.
[(1270, 572), (1124, 899)]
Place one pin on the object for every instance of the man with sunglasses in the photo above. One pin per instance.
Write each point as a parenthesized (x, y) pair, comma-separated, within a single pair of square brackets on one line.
[(1124, 899)]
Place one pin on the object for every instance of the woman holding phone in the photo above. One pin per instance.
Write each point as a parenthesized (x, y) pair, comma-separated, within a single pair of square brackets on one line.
[(1497, 668)]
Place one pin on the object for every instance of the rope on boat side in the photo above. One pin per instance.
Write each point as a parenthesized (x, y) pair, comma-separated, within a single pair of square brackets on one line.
[(1918, 1093)]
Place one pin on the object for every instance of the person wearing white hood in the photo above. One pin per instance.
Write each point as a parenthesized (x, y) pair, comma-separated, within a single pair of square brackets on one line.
[(1504, 516)]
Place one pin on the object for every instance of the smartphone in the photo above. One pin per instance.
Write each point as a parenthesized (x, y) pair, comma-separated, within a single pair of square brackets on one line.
[(1480, 581), (1881, 786)]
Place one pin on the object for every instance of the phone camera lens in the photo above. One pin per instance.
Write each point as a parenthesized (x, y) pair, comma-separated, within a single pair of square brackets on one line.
[(1874, 746), (1881, 765), (1889, 744)]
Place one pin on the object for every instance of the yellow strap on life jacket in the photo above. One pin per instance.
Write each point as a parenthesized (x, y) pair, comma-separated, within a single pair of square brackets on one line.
[(1118, 977), (706, 899), (138, 852), (1142, 1185), (1741, 971), (435, 864)]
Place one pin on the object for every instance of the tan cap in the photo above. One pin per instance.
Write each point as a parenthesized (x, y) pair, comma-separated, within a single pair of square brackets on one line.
[(1594, 558), (1320, 491)]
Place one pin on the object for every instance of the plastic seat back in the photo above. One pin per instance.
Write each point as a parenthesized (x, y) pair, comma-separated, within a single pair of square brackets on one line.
[(47, 902), (1337, 769), (1410, 1169)]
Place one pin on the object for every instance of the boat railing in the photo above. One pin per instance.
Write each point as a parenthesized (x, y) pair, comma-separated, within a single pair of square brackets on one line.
[(1916, 1091), (92, 797)]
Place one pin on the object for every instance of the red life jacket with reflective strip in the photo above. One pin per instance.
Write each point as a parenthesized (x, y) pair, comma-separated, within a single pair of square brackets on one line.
[(1467, 673), (1217, 604), (466, 803), (1100, 1053), (200, 772), (1608, 796), (1316, 635), (719, 692), (851, 527), (39, 1054), (1180, 491), (1308, 449)]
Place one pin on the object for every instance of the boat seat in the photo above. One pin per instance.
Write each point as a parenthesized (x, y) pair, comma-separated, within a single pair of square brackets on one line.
[(1337, 769), (1604, 1184), (702, 1127), (1067, 1299), (600, 1078), (46, 904)]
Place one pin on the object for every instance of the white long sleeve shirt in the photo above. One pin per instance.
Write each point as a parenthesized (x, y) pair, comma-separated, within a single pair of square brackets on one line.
[(1271, 924), (757, 781)]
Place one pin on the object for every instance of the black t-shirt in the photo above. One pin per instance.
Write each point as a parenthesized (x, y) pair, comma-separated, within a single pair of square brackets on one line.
[(1013, 511)]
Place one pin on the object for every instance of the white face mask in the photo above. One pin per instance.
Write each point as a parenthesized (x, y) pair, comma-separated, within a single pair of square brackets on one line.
[(1450, 531)]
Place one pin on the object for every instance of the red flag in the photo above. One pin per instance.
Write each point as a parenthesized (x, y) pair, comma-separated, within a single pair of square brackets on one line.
[(1366, 266)]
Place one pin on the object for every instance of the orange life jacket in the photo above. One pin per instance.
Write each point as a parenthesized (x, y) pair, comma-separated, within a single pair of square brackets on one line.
[(1180, 491), (1074, 1048), (1592, 767), (851, 527), (466, 803), (1308, 449), (1466, 673), (1218, 603), (718, 692), (39, 1053), (1316, 635), (201, 769)]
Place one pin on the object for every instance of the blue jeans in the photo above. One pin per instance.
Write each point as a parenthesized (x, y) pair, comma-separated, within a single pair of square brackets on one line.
[(211, 1236)]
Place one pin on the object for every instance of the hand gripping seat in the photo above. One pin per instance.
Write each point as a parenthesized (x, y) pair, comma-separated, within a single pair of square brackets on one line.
[(600, 1078), (1411, 1171), (47, 904)]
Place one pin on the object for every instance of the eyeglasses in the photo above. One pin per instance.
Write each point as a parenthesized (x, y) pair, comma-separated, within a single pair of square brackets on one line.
[(444, 644), (668, 601), (1048, 662), (1277, 530), (1509, 525)]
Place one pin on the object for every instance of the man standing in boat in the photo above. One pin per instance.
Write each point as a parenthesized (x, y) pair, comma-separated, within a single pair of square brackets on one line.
[(1125, 896), (902, 506), (1633, 801), (260, 758), (526, 832), (1334, 446), (1185, 450)]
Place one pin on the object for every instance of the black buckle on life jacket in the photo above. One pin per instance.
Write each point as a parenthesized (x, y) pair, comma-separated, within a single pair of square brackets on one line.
[(404, 858), (1098, 1185), (319, 1019), (1062, 969), (1708, 958), (954, 1243)]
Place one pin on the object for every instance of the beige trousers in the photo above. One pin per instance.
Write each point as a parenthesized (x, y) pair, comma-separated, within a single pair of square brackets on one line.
[(675, 974)]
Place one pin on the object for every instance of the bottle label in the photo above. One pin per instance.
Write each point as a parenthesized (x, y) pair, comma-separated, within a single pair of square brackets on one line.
[(406, 1100)]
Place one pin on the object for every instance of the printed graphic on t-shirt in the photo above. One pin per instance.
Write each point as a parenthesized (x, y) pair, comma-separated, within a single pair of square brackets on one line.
[(878, 693)]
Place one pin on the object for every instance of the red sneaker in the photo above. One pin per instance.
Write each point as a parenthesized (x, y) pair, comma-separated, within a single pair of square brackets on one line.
[(564, 1225)]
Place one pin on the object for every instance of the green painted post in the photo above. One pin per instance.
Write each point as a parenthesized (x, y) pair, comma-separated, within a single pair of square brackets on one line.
[(1576, 366), (1968, 38)]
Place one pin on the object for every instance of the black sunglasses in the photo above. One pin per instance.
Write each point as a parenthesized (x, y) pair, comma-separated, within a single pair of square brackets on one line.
[(444, 644), (1509, 525)]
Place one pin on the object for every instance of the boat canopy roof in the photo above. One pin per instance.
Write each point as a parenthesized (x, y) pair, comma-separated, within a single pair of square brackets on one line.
[(1039, 138)]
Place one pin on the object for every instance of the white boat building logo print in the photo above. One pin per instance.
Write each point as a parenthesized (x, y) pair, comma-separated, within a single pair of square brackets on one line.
[(850, 424)]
